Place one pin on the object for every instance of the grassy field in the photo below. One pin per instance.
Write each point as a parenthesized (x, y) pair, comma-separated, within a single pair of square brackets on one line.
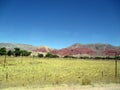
[(25, 71)]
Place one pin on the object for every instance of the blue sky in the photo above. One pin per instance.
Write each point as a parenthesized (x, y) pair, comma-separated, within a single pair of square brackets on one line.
[(60, 23)]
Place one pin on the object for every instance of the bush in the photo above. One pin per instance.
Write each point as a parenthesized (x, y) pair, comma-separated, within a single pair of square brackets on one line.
[(55, 56), (86, 81), (68, 57), (25, 53), (117, 57), (49, 55), (40, 55)]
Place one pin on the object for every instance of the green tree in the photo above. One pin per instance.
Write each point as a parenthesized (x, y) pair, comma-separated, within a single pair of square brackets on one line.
[(28, 53), (50, 55), (17, 52), (40, 55), (10, 52), (25, 53), (3, 51)]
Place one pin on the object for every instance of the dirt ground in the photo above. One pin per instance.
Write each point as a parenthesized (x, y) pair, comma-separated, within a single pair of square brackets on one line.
[(73, 87)]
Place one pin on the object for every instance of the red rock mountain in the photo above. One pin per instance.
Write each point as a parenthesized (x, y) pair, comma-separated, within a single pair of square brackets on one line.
[(42, 49), (98, 49), (74, 50), (81, 49)]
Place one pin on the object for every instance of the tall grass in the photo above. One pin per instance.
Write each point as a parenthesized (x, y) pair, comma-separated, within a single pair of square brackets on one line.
[(56, 71)]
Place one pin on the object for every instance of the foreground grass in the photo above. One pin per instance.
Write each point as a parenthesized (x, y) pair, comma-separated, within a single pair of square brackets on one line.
[(73, 87), (27, 71)]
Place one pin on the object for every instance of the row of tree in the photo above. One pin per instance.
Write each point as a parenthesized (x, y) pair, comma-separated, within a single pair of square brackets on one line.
[(48, 55), (16, 52), (96, 58)]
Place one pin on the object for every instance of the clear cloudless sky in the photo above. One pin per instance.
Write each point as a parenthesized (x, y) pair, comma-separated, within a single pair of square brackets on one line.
[(60, 23)]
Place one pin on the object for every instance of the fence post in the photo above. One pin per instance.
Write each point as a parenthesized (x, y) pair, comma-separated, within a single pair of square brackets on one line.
[(115, 68), (102, 74), (6, 76), (4, 61)]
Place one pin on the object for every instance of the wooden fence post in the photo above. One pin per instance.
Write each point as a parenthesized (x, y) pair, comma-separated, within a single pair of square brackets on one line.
[(115, 68), (102, 74), (4, 61)]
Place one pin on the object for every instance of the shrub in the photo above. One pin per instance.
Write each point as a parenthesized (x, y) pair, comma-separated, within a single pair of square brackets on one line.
[(68, 57), (86, 81), (40, 55), (50, 55)]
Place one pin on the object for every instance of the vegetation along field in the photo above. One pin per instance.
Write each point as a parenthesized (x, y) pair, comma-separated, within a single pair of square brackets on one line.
[(24, 71)]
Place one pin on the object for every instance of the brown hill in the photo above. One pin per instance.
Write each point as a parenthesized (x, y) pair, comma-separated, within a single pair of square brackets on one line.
[(88, 50), (18, 45), (99, 49), (74, 50), (43, 49)]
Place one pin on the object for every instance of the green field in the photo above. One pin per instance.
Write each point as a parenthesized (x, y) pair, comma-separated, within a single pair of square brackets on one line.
[(24, 71)]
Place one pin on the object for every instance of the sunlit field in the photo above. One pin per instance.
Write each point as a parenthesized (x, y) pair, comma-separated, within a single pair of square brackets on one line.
[(27, 71)]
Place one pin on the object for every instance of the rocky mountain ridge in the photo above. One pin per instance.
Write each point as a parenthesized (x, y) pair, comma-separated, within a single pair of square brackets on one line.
[(73, 50)]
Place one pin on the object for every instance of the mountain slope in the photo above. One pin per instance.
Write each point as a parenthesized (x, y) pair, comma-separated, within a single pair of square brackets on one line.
[(100, 49), (42, 49), (21, 46), (74, 50)]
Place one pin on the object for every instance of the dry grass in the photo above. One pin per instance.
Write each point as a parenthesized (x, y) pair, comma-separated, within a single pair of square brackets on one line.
[(75, 87), (29, 71)]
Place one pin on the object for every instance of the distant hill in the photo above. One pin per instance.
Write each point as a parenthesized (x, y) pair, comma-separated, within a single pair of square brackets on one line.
[(21, 46), (88, 50), (43, 49), (95, 47), (73, 50)]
